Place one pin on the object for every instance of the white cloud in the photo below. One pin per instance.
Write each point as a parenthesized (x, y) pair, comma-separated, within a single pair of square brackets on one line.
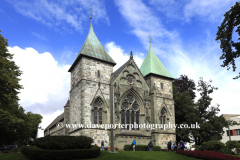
[(185, 10), (61, 14), (120, 57), (212, 10), (144, 22), (42, 76), (198, 59)]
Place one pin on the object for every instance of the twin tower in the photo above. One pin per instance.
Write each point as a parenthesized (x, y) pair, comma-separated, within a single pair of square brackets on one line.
[(141, 96)]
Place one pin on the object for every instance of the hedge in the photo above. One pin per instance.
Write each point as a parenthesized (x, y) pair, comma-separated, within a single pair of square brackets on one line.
[(212, 145), (141, 148), (63, 142), (35, 153)]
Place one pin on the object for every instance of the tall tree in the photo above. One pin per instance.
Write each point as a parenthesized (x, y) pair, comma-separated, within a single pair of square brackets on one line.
[(185, 112), (183, 84), (230, 49), (15, 125), (211, 125)]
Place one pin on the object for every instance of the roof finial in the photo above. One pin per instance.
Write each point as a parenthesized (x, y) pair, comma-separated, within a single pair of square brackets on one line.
[(90, 10), (150, 38), (131, 55)]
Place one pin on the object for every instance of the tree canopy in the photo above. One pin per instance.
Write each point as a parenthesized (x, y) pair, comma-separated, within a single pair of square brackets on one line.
[(16, 126), (230, 49), (189, 112)]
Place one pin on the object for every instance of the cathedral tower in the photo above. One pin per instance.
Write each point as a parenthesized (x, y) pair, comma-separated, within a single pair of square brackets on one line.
[(90, 87), (161, 93)]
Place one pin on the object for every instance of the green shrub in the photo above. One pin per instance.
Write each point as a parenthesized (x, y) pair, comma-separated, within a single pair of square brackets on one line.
[(213, 145), (63, 142), (35, 153), (232, 144), (141, 148), (14, 150)]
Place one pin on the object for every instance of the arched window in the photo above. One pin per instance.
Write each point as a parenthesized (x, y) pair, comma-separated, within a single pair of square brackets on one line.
[(163, 116), (98, 111), (130, 112)]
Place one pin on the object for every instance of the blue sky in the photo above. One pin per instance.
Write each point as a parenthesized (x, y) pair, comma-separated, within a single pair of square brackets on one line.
[(45, 37)]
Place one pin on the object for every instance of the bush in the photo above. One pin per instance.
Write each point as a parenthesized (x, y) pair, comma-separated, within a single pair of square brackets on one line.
[(232, 144), (208, 155), (213, 145), (35, 153), (63, 142), (141, 148), (14, 150)]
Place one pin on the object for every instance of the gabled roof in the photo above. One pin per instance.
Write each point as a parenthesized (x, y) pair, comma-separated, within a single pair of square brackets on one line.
[(93, 48), (120, 69), (59, 118), (152, 64)]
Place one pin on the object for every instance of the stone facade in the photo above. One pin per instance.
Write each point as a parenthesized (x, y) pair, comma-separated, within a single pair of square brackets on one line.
[(137, 99)]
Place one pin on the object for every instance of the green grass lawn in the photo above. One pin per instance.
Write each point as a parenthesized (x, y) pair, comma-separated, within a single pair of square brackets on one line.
[(129, 155), (142, 155), (13, 156)]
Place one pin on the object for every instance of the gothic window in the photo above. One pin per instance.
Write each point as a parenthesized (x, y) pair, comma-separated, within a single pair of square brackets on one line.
[(163, 117), (98, 112), (130, 111), (161, 85)]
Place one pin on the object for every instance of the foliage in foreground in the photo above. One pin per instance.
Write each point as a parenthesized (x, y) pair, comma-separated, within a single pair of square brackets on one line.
[(63, 142), (17, 127), (35, 153)]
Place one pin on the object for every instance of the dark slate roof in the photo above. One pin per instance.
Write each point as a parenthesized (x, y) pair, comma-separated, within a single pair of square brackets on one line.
[(93, 48), (119, 69), (59, 118)]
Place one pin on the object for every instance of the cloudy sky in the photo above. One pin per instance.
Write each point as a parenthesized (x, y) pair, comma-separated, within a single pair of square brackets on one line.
[(45, 37)]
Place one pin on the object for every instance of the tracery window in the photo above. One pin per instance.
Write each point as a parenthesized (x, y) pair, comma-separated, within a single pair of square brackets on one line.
[(130, 112), (97, 111), (163, 117)]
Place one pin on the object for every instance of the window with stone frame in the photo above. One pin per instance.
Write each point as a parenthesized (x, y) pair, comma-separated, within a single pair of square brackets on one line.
[(98, 74), (163, 116), (98, 111), (130, 112), (161, 85)]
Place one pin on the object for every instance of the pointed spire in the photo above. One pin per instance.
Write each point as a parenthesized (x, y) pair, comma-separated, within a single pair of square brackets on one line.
[(152, 64), (93, 48), (131, 55)]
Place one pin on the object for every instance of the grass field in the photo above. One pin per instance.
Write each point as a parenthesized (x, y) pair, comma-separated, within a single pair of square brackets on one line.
[(14, 156), (129, 155)]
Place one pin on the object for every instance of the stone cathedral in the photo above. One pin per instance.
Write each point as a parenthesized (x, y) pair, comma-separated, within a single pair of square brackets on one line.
[(141, 96)]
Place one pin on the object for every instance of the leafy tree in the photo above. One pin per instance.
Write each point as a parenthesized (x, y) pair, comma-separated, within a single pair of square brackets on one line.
[(211, 125), (230, 49), (15, 125), (185, 112), (183, 84)]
